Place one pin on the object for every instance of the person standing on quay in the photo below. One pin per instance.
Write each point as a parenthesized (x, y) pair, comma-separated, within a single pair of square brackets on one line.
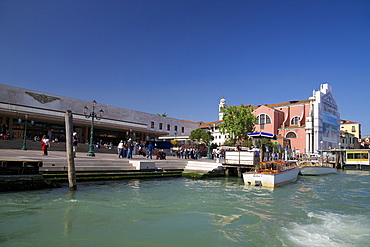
[(129, 149), (45, 143), (75, 144), (150, 150), (120, 149)]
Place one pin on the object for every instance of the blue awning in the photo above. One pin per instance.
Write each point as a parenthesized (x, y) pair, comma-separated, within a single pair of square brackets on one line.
[(262, 135)]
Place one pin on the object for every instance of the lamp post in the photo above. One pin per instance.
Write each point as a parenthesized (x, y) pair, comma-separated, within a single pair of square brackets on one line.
[(209, 146), (24, 147), (92, 115), (321, 156)]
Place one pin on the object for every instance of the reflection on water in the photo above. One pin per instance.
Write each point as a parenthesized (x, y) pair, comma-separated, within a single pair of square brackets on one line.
[(314, 211)]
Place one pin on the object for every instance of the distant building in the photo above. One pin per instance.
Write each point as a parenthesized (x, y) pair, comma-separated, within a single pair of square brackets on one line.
[(365, 142), (213, 127), (348, 140), (351, 127), (47, 111), (303, 125)]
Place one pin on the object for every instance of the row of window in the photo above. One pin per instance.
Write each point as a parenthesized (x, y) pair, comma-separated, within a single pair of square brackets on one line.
[(160, 126), (265, 119), (219, 137), (353, 128), (358, 156)]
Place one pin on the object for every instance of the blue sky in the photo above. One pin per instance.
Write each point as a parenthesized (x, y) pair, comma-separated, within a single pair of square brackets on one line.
[(182, 56)]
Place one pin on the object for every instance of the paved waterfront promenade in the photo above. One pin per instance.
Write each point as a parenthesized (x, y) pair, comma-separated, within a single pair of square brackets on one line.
[(57, 161)]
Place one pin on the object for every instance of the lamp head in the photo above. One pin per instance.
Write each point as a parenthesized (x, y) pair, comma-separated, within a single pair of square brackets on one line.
[(85, 110), (101, 112)]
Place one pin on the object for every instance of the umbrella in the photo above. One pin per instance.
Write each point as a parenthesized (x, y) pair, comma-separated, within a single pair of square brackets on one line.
[(262, 135)]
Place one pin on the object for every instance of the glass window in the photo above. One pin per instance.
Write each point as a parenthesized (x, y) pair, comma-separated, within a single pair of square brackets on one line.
[(263, 119), (168, 127), (291, 135), (182, 129), (160, 126), (295, 120), (353, 128), (152, 125), (175, 127)]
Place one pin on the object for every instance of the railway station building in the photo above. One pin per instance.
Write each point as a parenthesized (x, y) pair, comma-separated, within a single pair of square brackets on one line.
[(44, 114)]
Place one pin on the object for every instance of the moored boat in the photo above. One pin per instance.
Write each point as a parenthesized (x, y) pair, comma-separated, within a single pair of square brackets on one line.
[(315, 168), (272, 173)]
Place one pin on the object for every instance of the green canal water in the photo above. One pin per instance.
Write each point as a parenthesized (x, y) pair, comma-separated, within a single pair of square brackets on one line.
[(314, 211)]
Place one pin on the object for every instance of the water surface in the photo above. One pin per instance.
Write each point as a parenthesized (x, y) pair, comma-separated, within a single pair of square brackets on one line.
[(314, 211)]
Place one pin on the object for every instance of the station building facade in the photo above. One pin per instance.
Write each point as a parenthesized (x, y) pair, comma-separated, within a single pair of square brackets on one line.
[(304, 125), (46, 116)]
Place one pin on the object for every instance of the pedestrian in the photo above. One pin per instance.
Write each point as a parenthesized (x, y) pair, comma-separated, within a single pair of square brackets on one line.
[(74, 144), (150, 150), (45, 143), (120, 149), (129, 149)]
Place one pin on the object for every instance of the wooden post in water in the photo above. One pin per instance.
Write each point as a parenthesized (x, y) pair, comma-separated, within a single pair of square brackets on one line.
[(70, 157)]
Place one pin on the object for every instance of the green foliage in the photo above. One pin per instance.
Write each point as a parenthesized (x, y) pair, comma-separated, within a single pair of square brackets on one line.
[(162, 115), (201, 135), (228, 143), (238, 122), (213, 146), (267, 143), (248, 143)]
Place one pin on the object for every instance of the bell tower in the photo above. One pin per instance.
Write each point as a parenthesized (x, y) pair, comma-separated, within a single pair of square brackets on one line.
[(221, 106)]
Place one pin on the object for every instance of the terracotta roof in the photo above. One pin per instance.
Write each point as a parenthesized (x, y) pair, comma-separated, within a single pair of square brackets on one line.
[(199, 122), (342, 121), (210, 124), (292, 102)]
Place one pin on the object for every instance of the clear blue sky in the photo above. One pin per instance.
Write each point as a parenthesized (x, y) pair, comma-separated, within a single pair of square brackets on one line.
[(182, 56)]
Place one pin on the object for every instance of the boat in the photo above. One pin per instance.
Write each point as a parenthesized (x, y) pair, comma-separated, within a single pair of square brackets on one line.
[(315, 168), (272, 173)]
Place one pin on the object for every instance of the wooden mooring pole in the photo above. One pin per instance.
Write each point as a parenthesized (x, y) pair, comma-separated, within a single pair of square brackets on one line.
[(70, 157)]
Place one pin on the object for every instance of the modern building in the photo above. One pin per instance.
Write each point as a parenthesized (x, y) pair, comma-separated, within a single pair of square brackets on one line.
[(304, 125), (47, 113)]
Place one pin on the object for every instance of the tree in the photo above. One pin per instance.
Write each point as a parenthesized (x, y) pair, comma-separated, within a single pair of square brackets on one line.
[(238, 122), (200, 135), (162, 115)]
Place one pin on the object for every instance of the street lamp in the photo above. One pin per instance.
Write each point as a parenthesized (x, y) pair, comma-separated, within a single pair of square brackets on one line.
[(24, 147), (92, 115), (321, 156), (209, 146)]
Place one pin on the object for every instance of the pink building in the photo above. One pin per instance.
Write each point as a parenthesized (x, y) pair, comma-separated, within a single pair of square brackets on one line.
[(305, 125), (286, 120)]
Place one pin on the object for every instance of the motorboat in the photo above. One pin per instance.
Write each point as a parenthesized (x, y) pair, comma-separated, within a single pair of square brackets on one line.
[(315, 168), (272, 173)]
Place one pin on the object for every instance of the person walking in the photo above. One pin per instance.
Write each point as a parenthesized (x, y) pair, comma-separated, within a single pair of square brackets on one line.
[(45, 143), (75, 144), (150, 150), (120, 149)]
